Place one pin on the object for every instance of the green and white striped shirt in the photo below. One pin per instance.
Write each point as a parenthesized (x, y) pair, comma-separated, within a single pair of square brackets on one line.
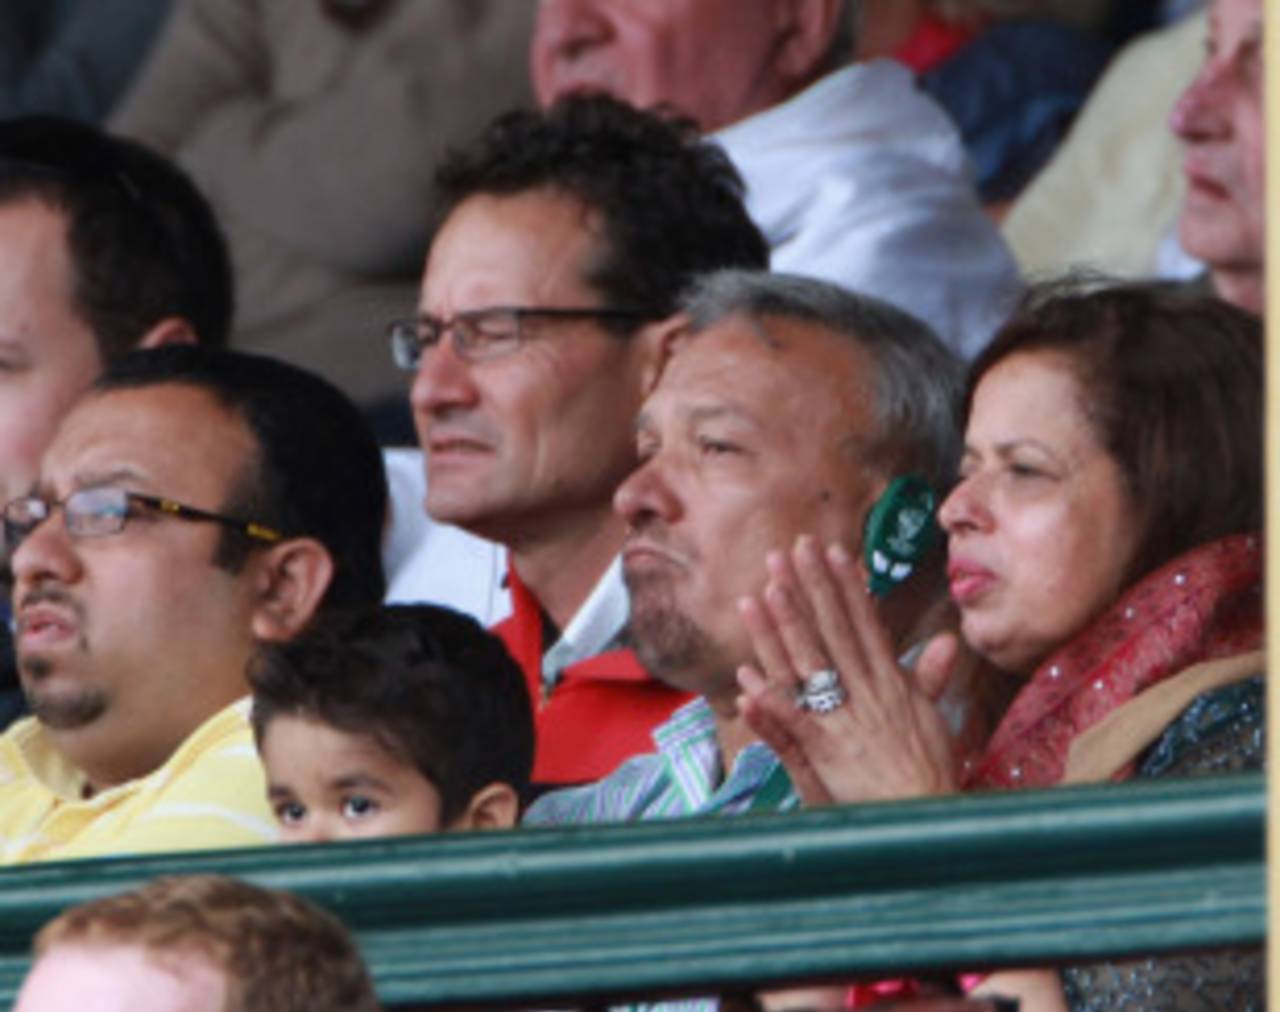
[(684, 777)]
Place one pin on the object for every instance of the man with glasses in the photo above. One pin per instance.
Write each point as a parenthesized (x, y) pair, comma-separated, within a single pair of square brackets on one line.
[(566, 239), (194, 502)]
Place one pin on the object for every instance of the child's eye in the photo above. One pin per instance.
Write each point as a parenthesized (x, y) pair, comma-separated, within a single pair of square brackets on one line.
[(358, 806), (290, 813)]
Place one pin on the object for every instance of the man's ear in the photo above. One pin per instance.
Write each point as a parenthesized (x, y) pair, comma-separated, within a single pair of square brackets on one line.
[(662, 340), (170, 330), (496, 806), (290, 584), (807, 30)]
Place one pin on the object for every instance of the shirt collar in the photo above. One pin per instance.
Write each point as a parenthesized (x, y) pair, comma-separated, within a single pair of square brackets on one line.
[(595, 627)]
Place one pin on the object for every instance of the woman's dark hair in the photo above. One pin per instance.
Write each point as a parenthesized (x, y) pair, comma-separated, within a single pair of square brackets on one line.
[(1173, 384), (428, 684)]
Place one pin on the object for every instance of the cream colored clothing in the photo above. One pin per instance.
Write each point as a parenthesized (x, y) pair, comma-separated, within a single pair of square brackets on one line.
[(1110, 197), (210, 794), (316, 144)]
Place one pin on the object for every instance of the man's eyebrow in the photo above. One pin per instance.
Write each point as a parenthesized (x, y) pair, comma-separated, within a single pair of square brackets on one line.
[(703, 413), (715, 412), (114, 476), (279, 791)]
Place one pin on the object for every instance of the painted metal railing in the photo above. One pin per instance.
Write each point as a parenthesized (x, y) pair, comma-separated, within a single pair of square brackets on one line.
[(934, 885)]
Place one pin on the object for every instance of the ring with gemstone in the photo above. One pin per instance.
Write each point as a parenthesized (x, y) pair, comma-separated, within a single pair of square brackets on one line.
[(821, 692)]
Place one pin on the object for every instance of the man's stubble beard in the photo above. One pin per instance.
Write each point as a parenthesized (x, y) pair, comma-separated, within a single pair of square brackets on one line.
[(59, 712), (671, 646)]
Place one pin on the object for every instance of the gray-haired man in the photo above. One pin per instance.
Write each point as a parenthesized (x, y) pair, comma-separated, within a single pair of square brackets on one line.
[(790, 408)]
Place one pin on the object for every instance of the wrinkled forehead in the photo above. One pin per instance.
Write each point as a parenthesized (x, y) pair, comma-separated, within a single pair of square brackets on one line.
[(535, 247), (174, 437), (668, 15), (783, 373)]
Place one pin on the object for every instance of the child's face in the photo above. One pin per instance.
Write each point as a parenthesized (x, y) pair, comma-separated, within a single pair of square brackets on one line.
[(326, 784)]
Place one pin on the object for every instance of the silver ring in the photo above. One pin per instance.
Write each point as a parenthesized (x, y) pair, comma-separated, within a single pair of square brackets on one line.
[(821, 692)]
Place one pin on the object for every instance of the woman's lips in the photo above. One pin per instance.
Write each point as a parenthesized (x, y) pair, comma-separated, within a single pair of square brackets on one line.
[(968, 581)]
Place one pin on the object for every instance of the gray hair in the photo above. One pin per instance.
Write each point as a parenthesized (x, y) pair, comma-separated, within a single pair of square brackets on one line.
[(919, 382)]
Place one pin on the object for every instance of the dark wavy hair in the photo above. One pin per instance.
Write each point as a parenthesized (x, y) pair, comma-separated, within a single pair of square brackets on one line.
[(670, 205), (144, 243), (428, 684), (1173, 384), (318, 471)]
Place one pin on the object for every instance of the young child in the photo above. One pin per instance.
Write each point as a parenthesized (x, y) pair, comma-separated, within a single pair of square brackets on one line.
[(388, 721)]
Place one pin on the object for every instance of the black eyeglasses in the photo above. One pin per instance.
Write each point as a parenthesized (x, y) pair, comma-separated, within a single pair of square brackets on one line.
[(96, 512), (488, 333)]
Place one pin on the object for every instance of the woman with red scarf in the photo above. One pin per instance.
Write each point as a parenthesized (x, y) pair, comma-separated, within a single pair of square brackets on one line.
[(1104, 547)]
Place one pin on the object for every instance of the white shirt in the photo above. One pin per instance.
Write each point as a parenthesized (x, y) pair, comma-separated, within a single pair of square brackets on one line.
[(437, 563), (441, 564), (594, 628), (862, 179)]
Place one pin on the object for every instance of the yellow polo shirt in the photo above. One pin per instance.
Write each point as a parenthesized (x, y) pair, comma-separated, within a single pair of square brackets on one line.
[(209, 794)]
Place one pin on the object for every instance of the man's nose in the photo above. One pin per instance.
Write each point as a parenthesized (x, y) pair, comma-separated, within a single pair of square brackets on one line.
[(646, 493), (444, 380), (46, 553), (1199, 113)]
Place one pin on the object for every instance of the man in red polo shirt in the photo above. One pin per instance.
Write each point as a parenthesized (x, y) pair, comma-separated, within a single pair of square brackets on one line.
[(544, 318)]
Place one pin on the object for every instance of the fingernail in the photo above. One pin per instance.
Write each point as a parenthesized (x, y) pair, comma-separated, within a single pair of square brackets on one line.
[(807, 549), (838, 554)]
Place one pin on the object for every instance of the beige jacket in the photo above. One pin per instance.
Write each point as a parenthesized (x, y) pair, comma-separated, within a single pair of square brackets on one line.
[(316, 144), (1113, 191)]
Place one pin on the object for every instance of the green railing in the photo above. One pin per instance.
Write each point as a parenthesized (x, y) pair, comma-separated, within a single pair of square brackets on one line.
[(1030, 877)]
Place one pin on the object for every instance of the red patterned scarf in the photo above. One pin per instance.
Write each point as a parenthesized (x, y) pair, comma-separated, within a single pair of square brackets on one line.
[(1203, 605)]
